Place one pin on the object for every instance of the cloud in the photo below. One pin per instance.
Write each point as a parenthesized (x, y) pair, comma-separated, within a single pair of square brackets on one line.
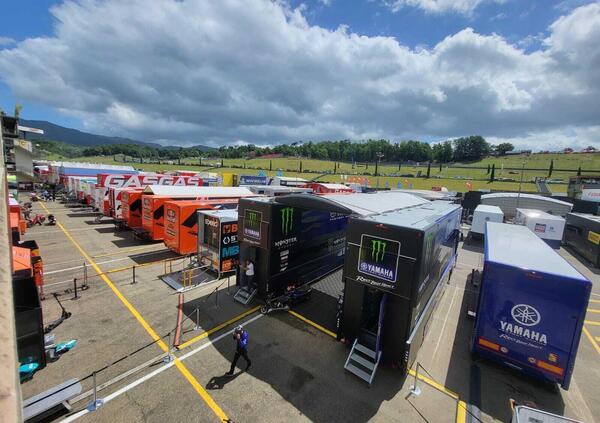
[(214, 73), (6, 41), (437, 6)]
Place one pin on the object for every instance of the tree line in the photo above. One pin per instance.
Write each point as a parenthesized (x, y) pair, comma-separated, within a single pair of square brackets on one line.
[(462, 149)]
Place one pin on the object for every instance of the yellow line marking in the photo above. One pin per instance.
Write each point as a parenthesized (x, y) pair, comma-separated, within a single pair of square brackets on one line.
[(591, 323), (593, 310), (310, 322), (591, 338), (180, 366), (434, 384), (217, 328), (144, 247), (461, 412), (598, 339), (594, 301)]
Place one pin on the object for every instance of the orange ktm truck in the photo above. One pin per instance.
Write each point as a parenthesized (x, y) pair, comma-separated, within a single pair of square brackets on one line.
[(131, 207), (154, 197), (181, 222), (153, 214)]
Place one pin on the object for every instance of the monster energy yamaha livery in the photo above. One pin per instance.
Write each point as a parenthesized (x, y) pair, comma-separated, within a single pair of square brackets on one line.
[(288, 244), (395, 269)]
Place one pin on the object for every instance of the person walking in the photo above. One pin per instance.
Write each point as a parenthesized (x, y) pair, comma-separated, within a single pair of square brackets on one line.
[(249, 275), (241, 338)]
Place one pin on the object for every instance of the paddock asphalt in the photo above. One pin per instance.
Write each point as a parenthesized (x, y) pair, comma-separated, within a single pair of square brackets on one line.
[(297, 369)]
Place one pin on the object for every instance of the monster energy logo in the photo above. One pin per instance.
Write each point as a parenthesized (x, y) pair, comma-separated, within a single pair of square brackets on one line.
[(287, 220), (377, 250), (379, 258), (252, 224), (252, 219)]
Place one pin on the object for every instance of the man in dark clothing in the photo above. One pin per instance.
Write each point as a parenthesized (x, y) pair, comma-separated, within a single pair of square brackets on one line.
[(241, 338)]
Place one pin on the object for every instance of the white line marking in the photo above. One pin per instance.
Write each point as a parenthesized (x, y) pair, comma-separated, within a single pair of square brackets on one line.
[(444, 325), (150, 375)]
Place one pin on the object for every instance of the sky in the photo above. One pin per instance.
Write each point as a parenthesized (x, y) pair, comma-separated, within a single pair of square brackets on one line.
[(234, 72)]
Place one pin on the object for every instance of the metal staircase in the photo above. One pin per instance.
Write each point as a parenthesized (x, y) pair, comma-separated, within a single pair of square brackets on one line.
[(362, 362), (244, 295)]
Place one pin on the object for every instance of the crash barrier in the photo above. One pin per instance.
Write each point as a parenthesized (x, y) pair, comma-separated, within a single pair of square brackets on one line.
[(464, 412), (81, 281)]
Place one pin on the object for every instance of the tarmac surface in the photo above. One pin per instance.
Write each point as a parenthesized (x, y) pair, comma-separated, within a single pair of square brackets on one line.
[(297, 371)]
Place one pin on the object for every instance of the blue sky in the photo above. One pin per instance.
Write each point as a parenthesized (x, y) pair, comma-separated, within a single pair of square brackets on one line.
[(523, 25)]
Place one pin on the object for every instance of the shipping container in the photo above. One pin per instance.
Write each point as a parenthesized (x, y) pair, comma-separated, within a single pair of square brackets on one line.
[(395, 270), (181, 222), (548, 227), (531, 307), (484, 214), (582, 233)]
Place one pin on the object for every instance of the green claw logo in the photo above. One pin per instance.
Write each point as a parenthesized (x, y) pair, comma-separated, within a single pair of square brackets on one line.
[(287, 220), (253, 219), (378, 250)]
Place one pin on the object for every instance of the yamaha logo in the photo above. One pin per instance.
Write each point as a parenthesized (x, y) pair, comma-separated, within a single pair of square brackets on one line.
[(525, 315)]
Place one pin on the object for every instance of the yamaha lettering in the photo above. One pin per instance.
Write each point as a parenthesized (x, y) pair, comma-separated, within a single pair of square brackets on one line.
[(522, 327), (378, 257)]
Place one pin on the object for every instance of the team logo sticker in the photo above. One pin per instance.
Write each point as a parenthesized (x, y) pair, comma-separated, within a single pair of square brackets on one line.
[(378, 257), (252, 221), (287, 220), (525, 315)]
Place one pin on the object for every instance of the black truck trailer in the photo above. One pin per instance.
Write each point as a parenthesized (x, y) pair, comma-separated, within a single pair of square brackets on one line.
[(289, 245), (299, 238), (582, 233), (395, 269)]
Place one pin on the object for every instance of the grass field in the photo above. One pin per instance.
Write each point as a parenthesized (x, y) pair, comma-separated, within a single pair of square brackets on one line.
[(453, 178)]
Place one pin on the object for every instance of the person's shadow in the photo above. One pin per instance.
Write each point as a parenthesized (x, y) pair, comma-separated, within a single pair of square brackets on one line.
[(218, 382)]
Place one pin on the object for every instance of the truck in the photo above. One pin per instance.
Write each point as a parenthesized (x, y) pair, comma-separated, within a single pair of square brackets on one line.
[(395, 271), (548, 227), (531, 305)]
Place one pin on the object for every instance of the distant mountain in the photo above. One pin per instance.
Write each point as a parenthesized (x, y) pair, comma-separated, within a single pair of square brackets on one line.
[(72, 136)]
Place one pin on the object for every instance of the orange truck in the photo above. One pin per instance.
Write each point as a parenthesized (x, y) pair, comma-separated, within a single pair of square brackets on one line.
[(181, 222), (155, 196), (131, 207)]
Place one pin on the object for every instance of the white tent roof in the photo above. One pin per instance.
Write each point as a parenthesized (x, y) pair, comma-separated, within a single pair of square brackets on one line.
[(378, 202)]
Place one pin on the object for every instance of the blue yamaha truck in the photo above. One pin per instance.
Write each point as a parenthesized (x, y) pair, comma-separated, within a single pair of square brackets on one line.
[(531, 307)]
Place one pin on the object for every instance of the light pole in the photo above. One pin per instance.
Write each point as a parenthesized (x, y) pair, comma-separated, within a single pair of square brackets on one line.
[(379, 155)]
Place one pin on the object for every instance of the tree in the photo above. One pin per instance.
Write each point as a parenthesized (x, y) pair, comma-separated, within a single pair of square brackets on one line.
[(18, 109), (579, 171), (551, 168), (504, 148), (470, 148), (489, 168), (493, 174), (428, 170)]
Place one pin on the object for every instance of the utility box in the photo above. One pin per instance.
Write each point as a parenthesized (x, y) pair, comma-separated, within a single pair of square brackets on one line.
[(484, 214), (531, 307), (548, 227)]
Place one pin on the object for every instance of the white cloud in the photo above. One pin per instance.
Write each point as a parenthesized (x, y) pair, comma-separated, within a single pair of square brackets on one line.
[(437, 6), (219, 72), (6, 41)]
